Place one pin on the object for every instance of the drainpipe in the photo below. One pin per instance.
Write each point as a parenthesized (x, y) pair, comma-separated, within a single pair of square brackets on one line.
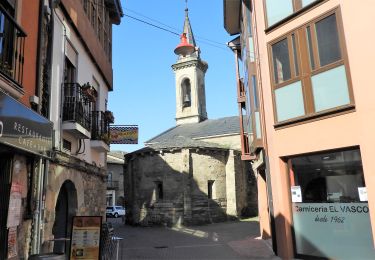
[(35, 244)]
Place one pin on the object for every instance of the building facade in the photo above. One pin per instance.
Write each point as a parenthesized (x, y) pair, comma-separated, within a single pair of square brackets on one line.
[(53, 119), (305, 68), (115, 178), (81, 78), (25, 132), (191, 173)]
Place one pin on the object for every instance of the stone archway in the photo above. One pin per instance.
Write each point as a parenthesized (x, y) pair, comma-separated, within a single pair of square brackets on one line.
[(65, 209)]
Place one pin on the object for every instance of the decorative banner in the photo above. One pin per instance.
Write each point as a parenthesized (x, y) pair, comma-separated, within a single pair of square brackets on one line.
[(124, 134), (85, 240)]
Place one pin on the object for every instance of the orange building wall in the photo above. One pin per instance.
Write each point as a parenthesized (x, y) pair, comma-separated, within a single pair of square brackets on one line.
[(356, 128), (29, 23)]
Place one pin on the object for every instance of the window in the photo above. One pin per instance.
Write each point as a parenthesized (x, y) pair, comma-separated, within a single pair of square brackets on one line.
[(277, 10), (210, 189), (159, 190), (186, 93), (67, 145), (308, 68), (330, 208)]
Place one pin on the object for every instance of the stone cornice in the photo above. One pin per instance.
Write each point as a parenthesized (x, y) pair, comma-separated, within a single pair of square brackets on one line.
[(191, 63)]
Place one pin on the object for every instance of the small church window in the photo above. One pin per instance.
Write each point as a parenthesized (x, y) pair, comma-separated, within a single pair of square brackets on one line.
[(186, 93), (210, 188), (159, 190)]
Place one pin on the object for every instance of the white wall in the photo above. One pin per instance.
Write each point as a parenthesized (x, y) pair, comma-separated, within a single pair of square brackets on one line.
[(86, 71)]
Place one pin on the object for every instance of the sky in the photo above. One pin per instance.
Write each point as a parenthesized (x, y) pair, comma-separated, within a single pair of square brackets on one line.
[(144, 82)]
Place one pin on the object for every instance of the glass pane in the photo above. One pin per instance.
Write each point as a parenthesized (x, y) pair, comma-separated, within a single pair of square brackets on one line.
[(255, 92), (289, 101), (328, 40), (307, 2), (331, 211), (330, 89), (278, 10), (251, 49), (257, 125), (295, 54), (281, 62), (309, 46)]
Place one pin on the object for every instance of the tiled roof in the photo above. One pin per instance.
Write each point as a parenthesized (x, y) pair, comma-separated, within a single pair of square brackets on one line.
[(186, 135)]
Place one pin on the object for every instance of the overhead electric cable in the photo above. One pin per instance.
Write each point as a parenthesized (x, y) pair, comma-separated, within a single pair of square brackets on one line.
[(142, 21)]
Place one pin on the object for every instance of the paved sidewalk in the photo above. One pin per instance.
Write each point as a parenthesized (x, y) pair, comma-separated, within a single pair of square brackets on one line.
[(228, 240)]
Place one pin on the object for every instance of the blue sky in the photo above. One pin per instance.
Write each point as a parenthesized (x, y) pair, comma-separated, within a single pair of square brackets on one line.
[(144, 83)]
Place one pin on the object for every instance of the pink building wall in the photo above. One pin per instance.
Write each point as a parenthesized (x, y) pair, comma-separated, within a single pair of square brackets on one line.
[(354, 127)]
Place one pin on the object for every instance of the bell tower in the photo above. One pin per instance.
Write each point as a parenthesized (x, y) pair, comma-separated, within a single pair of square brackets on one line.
[(190, 84)]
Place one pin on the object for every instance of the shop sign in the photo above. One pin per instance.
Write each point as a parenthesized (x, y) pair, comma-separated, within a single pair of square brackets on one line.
[(23, 128), (124, 134), (85, 240), (333, 230)]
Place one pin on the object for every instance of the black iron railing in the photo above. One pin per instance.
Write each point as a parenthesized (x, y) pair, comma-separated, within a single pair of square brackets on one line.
[(100, 126), (12, 45), (77, 105)]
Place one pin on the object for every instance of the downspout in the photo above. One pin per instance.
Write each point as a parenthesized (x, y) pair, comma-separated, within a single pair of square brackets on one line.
[(35, 244), (38, 87)]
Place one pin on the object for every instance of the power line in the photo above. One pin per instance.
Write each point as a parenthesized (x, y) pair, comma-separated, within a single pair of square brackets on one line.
[(142, 21)]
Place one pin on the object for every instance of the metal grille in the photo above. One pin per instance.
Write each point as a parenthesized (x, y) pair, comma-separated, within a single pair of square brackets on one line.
[(108, 244)]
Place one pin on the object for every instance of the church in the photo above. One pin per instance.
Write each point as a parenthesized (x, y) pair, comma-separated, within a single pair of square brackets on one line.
[(191, 173)]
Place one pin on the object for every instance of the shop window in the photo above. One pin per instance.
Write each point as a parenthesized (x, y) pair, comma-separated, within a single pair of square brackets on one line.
[(308, 67), (329, 200), (277, 10)]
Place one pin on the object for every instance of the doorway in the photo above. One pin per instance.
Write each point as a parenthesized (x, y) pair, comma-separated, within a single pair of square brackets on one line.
[(66, 208), (5, 184)]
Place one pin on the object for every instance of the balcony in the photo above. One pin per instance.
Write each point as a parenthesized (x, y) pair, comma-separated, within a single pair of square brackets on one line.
[(100, 131), (12, 45), (77, 106), (112, 185)]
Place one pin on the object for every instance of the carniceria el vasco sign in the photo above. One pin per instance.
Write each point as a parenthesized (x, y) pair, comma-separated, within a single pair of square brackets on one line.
[(23, 128)]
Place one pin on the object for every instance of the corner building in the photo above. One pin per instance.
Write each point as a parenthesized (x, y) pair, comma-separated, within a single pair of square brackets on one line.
[(303, 66)]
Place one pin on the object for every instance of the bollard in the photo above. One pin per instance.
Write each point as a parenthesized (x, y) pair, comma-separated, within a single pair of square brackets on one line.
[(117, 240)]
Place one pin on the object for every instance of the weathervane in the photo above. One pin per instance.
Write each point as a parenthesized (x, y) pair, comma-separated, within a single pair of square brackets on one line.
[(186, 5)]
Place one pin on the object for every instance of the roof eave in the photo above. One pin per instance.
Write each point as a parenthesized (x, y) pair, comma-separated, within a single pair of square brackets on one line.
[(232, 11)]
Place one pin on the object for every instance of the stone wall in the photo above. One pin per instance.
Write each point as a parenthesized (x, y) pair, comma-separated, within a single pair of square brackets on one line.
[(228, 141), (184, 175), (90, 190)]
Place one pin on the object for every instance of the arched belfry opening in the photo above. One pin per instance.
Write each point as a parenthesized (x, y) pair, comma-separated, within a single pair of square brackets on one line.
[(186, 93), (65, 209)]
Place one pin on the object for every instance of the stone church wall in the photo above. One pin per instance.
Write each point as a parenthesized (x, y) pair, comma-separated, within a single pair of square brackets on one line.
[(185, 175)]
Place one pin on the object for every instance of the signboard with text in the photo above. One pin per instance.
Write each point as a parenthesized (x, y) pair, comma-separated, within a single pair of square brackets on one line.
[(85, 240), (23, 128), (333, 230), (124, 134)]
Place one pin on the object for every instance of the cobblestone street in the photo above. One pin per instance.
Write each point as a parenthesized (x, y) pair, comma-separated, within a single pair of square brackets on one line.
[(229, 240)]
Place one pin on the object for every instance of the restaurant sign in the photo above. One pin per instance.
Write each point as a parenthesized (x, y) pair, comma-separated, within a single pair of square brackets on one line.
[(23, 128), (124, 134)]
